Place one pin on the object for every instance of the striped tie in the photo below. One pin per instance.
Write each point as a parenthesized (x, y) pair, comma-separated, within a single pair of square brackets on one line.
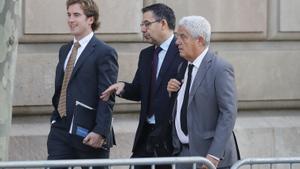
[(68, 72)]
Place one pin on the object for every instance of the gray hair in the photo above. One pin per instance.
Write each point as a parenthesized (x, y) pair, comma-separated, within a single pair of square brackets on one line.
[(197, 26)]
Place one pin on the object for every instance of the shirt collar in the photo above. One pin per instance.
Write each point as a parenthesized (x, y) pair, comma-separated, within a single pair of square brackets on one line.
[(165, 45), (84, 41), (198, 60)]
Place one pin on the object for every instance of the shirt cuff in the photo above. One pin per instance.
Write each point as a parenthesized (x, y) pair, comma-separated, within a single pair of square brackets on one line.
[(214, 157)]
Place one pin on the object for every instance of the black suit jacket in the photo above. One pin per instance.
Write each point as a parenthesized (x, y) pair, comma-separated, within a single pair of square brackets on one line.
[(95, 70), (139, 90)]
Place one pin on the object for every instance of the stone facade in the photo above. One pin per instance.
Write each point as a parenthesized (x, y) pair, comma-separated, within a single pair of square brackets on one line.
[(9, 19), (261, 38)]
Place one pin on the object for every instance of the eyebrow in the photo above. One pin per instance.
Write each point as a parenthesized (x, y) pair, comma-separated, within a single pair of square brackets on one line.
[(75, 13)]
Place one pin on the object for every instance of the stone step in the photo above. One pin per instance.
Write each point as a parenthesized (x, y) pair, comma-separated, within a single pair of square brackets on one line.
[(269, 133), (29, 136)]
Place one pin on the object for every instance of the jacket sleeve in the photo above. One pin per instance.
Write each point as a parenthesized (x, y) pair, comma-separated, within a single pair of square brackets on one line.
[(227, 105), (107, 68), (132, 91), (58, 83)]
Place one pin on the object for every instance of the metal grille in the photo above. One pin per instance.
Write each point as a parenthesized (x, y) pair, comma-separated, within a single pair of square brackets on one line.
[(111, 163), (268, 163)]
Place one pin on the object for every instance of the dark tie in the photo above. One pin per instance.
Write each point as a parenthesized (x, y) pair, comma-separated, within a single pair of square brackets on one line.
[(153, 80), (183, 113), (68, 72)]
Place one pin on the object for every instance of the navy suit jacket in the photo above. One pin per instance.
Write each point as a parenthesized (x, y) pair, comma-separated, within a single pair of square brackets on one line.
[(95, 70), (139, 90)]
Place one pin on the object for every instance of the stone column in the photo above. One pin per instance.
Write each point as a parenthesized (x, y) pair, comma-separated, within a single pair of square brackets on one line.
[(10, 13)]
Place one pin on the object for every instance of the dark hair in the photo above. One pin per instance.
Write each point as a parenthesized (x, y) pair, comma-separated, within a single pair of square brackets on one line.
[(162, 11), (89, 8)]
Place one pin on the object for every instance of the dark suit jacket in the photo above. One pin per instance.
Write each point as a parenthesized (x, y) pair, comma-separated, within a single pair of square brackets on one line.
[(95, 70), (139, 90), (212, 111)]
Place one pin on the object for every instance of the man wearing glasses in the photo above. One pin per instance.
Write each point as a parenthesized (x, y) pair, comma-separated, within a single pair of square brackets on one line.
[(157, 65)]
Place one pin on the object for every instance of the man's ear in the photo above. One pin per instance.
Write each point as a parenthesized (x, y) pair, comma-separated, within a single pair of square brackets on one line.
[(164, 23), (91, 20), (201, 41)]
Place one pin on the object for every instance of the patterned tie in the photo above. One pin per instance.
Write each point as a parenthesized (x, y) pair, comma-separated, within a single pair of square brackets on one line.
[(183, 113), (68, 72), (153, 80)]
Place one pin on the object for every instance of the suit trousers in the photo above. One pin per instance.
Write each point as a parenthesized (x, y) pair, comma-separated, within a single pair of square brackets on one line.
[(62, 145), (145, 149)]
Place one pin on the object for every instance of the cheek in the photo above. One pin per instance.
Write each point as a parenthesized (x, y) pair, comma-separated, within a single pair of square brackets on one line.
[(150, 31), (188, 46), (154, 31), (185, 47)]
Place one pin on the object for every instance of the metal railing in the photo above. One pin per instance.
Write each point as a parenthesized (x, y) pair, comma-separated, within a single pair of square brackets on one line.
[(271, 162), (108, 162)]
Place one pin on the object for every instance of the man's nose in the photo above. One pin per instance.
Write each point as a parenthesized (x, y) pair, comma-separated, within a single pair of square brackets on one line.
[(70, 18), (177, 42)]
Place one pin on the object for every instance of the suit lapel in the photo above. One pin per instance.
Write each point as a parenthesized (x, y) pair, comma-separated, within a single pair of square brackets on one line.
[(88, 50), (147, 66), (200, 75), (170, 56)]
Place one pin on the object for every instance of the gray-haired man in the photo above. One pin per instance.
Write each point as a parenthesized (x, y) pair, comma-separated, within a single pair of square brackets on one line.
[(206, 108)]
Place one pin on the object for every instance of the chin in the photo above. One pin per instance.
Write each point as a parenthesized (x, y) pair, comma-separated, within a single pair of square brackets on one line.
[(73, 32), (148, 40)]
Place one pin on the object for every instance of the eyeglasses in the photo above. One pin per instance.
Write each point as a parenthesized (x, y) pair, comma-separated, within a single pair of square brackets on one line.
[(147, 23)]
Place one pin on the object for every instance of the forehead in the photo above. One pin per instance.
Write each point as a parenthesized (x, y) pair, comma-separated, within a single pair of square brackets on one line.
[(149, 16), (75, 8), (182, 30)]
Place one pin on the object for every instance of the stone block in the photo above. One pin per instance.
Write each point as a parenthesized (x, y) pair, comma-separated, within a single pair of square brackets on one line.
[(267, 134), (264, 71), (283, 20), (112, 14), (28, 138), (289, 16), (260, 134), (236, 16)]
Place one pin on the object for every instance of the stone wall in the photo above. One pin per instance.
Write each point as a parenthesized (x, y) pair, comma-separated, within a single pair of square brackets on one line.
[(261, 38), (9, 18)]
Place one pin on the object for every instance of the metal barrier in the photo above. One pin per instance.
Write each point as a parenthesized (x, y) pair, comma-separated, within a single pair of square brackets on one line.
[(108, 162), (253, 162)]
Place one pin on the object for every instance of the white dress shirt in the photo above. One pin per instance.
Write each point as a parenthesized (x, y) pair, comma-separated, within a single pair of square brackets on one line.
[(83, 42)]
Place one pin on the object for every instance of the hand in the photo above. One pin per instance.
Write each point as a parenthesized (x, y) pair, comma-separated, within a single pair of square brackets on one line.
[(117, 87), (94, 140), (214, 161), (173, 86)]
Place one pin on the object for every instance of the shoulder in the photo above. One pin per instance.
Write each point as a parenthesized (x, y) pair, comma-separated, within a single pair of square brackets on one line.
[(66, 47), (220, 64), (103, 50), (148, 49), (100, 45), (218, 60), (145, 53)]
